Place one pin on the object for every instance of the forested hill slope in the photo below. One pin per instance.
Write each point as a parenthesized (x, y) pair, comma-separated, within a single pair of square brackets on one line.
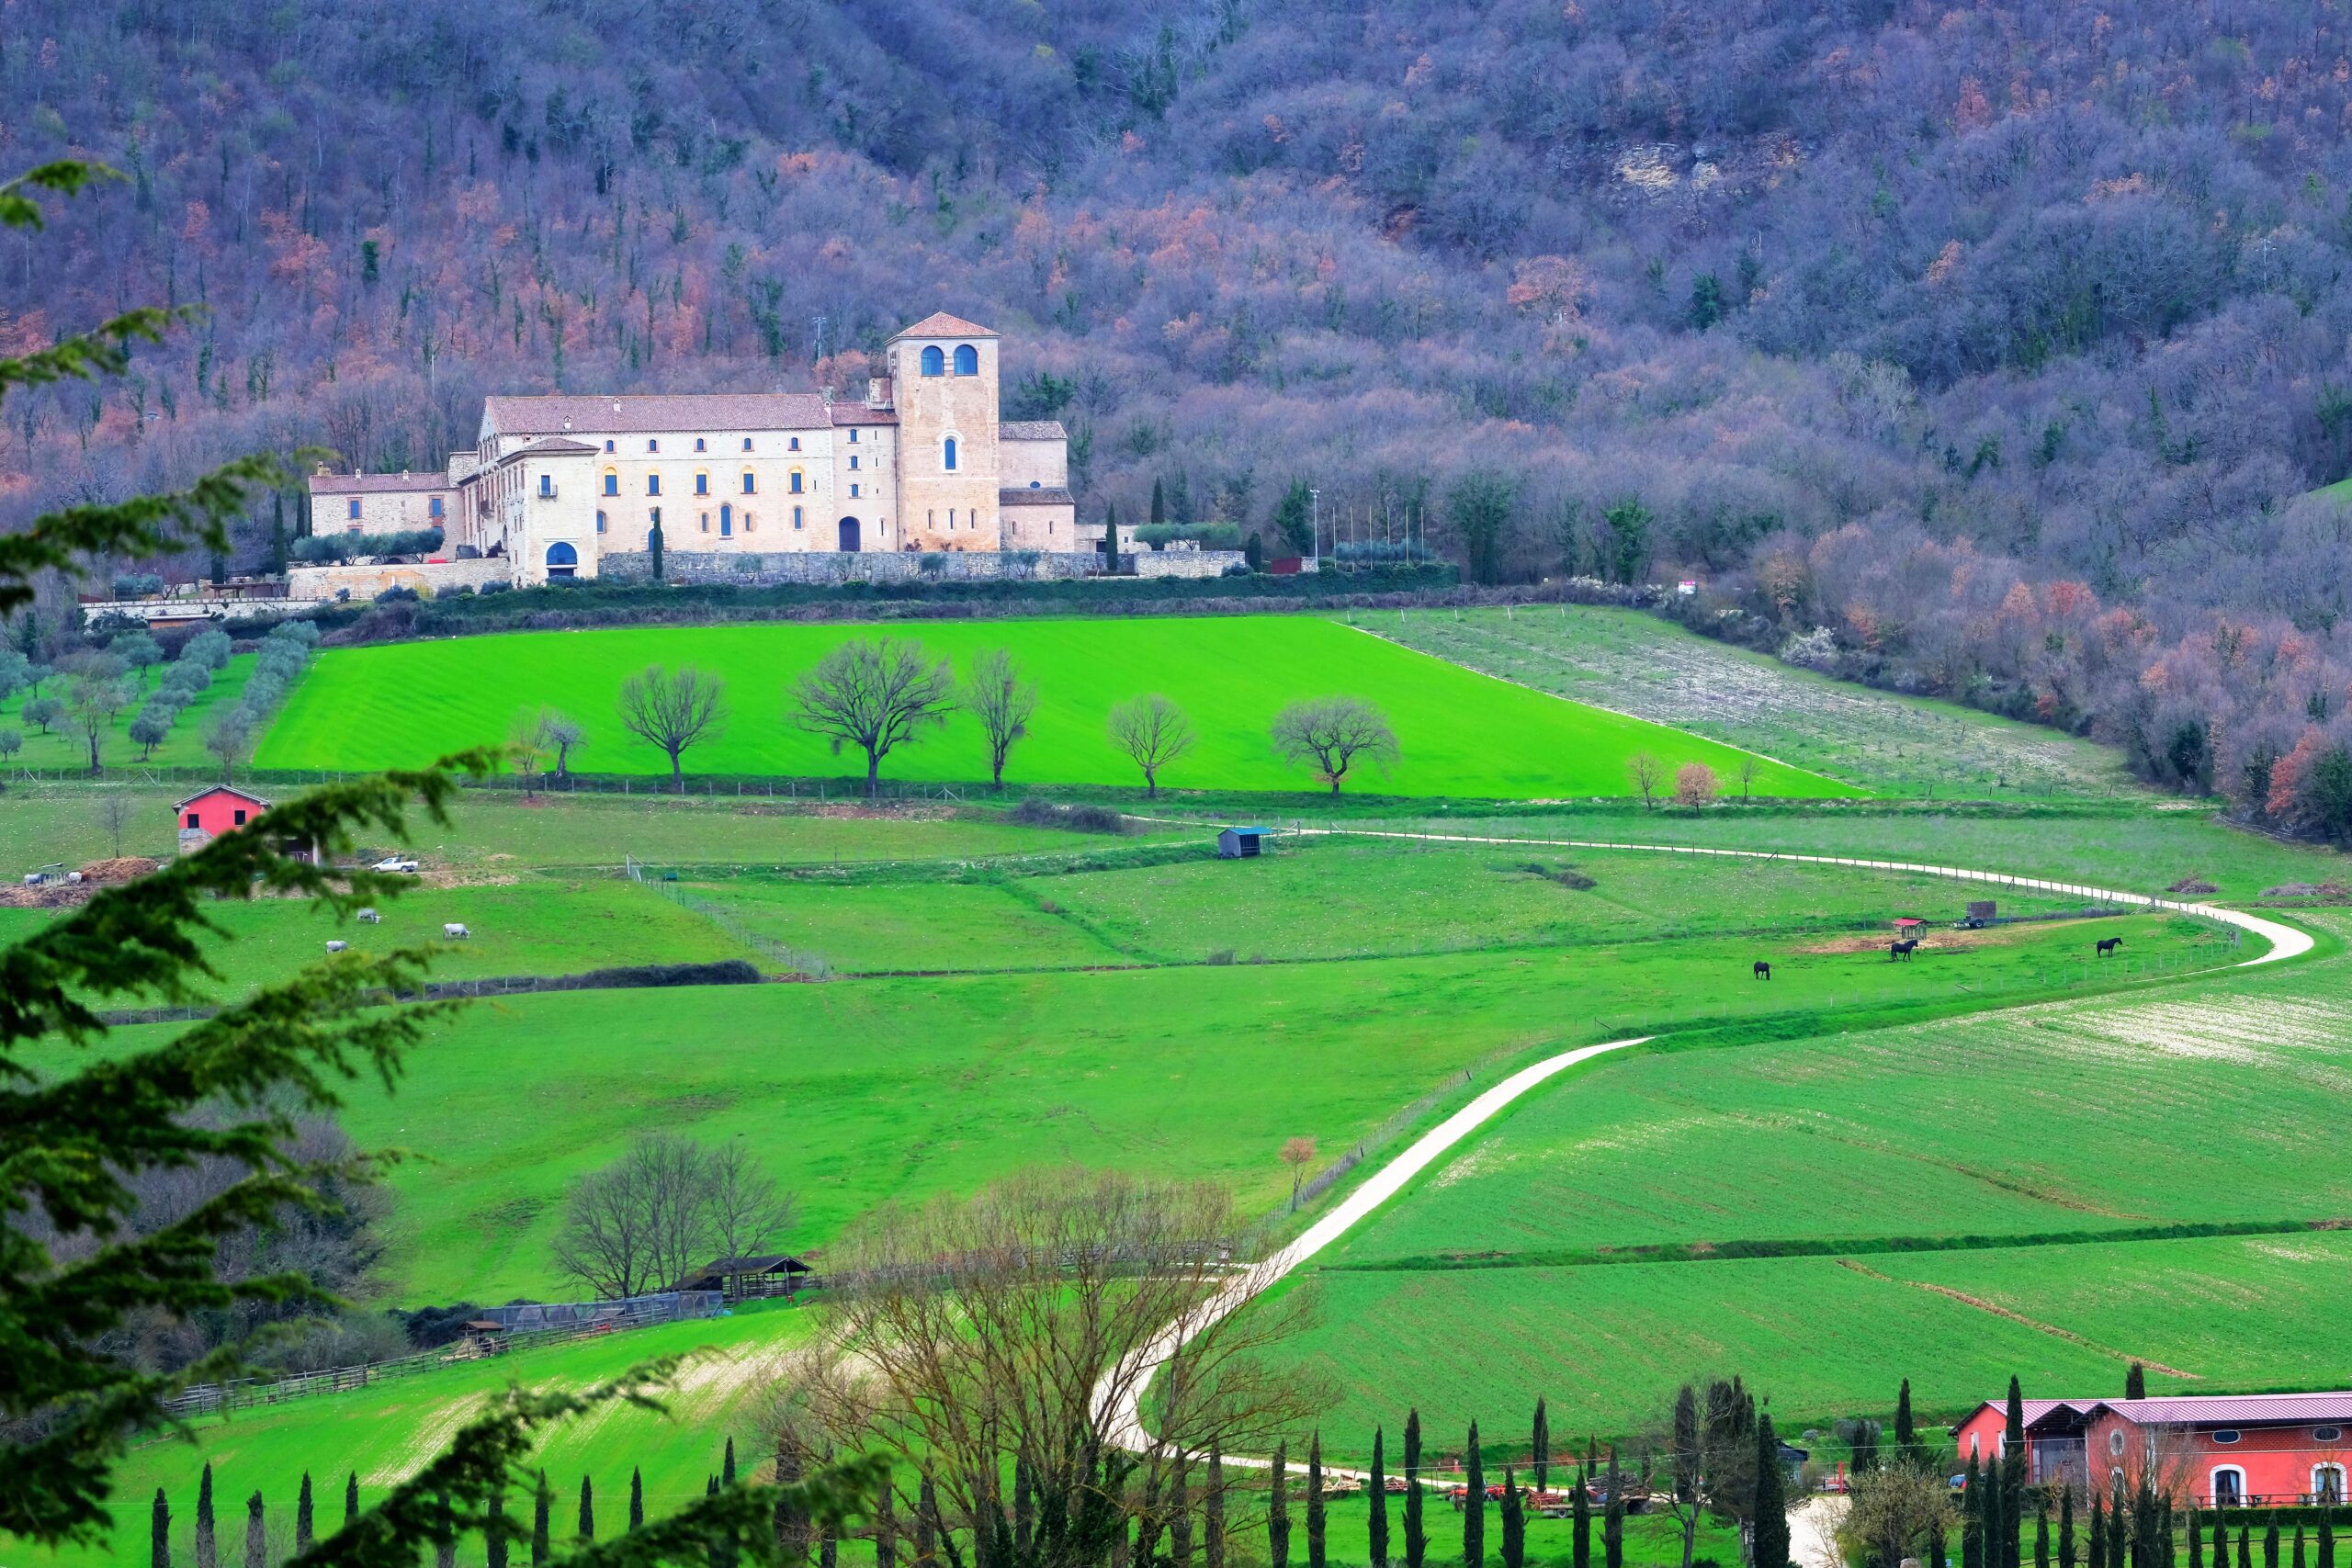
[(1951, 329)]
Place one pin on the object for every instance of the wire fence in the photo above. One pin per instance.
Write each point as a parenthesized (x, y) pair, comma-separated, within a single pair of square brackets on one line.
[(789, 959), (527, 1326)]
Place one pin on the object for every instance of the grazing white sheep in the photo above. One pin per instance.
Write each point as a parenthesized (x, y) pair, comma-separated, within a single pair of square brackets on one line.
[(337, 946), (369, 918), (455, 930)]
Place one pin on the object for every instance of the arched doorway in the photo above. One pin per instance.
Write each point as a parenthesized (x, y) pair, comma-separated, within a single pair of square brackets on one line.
[(563, 560), (849, 534)]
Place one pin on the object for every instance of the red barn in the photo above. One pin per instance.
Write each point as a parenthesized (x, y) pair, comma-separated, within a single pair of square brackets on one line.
[(219, 810), (2208, 1450)]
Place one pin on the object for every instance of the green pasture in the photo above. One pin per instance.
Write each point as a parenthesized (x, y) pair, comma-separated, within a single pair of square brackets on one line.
[(385, 1433), (1636, 664), (1460, 733), (860, 1091), (500, 832), (184, 748), (1607, 1345)]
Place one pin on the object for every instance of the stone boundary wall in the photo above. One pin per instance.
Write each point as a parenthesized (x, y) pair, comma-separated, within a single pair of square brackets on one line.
[(824, 569), (317, 582)]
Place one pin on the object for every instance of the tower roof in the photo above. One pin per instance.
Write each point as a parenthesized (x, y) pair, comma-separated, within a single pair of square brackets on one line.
[(939, 323)]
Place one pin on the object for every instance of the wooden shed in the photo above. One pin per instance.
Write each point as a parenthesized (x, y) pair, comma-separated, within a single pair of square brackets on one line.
[(1242, 844), (761, 1274)]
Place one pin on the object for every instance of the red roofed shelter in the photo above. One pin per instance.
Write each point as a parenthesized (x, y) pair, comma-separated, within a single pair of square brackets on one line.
[(2206, 1450)]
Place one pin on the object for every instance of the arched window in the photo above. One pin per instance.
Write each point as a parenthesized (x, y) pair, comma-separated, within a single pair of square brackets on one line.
[(749, 487), (600, 520), (563, 560), (2327, 1484), (726, 521), (933, 362), (2229, 1486), (968, 360), (611, 482), (796, 443), (947, 455), (698, 446)]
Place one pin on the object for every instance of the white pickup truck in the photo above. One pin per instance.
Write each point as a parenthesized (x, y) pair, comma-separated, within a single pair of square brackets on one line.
[(392, 863)]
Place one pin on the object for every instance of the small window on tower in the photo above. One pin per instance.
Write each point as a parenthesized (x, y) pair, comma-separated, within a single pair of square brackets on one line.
[(698, 446)]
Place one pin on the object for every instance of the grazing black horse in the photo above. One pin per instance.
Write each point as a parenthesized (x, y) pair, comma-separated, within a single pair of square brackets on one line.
[(2108, 944), (1903, 949), (1763, 970)]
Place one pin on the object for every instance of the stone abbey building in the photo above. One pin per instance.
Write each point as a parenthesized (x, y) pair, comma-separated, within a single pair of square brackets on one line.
[(577, 486)]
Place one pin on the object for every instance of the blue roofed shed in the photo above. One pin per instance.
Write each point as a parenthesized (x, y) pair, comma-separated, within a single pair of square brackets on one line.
[(1240, 843)]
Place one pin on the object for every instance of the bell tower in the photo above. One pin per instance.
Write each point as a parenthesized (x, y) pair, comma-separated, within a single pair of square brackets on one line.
[(944, 377)]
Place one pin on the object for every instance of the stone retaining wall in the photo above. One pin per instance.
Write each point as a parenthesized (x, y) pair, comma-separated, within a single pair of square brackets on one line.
[(1185, 563), (833, 567), (364, 583)]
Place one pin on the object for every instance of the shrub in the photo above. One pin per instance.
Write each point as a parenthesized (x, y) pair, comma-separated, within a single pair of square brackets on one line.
[(333, 549), (1035, 813), (1207, 535), (399, 594), (138, 585)]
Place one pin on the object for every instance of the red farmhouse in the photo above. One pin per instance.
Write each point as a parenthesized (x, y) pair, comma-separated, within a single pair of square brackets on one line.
[(2229, 1451), (219, 810)]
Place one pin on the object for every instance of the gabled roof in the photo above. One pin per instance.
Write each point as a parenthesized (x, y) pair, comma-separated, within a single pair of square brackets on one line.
[(939, 323), (1032, 430), (221, 789), (2199, 1409), (859, 413), (552, 446), (1034, 496), (656, 413)]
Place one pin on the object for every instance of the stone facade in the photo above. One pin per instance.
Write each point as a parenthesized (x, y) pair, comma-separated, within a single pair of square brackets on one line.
[(827, 569), (1185, 563), (381, 504), (557, 486)]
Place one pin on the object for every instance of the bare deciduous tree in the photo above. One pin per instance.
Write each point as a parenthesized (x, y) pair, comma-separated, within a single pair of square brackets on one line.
[(114, 814), (1646, 770), (673, 709), (873, 695), (1153, 732), (1891, 1511), (1012, 1335), (1002, 702), (748, 1208), (561, 734), (1329, 734), (229, 737), (524, 743), (1749, 766), (642, 1222), (1694, 786), (1297, 1154)]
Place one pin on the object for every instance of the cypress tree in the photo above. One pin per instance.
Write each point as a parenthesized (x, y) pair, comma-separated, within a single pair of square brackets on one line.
[(1315, 1557), (2299, 1547), (444, 1533), (302, 1516), (2098, 1533), (2136, 1383), (257, 1534), (2327, 1540), (2066, 1528), (2246, 1547), (350, 1498), (1416, 1540), (1540, 1452), (1613, 1519), (494, 1541), (2221, 1542), (1159, 502), (1377, 1526), (1971, 1517), (1514, 1523), (654, 546), (2271, 1543), (636, 1498), (159, 1532), (1771, 1526), (1278, 1510), (1213, 1514), (1581, 1524), (2041, 1533), (1474, 1506), (542, 1505), (727, 1465), (886, 1528), (2195, 1539), (587, 1509), (1906, 1436), (2013, 1456), (2117, 1533), (207, 1544), (1937, 1557)]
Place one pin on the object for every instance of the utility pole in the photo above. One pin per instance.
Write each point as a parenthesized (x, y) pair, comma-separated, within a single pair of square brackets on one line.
[(1314, 527)]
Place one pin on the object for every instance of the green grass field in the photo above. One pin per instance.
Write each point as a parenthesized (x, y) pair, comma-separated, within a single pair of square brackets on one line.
[(1460, 733), (1637, 663), (2173, 1105)]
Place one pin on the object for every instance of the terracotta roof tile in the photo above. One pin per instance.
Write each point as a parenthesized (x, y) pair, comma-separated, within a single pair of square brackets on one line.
[(1043, 495), (941, 324), (376, 484), (859, 414), (654, 413)]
